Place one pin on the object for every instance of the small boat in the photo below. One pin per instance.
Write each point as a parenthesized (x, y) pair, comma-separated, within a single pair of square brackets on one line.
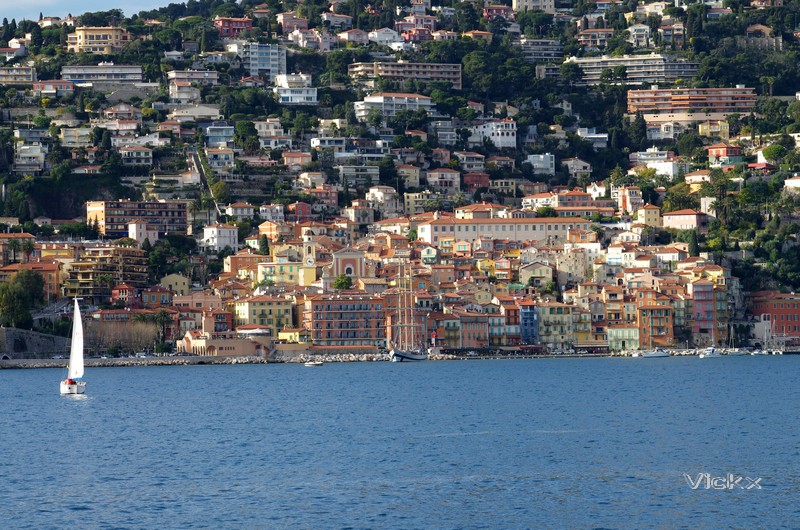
[(658, 352), (735, 351), (759, 352), (73, 384), (313, 363), (711, 351), (398, 356)]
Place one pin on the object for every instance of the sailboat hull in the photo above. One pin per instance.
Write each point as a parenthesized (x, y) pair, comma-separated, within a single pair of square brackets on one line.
[(76, 387), (399, 356)]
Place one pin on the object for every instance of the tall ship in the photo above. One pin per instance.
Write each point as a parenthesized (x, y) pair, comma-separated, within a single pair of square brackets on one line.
[(407, 343)]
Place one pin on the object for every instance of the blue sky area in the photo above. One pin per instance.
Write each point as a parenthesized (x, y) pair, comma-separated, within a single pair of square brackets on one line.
[(30, 9)]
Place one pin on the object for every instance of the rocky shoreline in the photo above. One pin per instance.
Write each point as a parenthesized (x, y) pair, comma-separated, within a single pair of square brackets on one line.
[(273, 359)]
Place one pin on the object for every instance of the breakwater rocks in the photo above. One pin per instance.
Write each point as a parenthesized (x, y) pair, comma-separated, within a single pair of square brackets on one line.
[(132, 361), (328, 357)]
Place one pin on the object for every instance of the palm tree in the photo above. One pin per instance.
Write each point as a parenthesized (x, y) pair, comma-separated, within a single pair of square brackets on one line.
[(28, 247), (14, 246)]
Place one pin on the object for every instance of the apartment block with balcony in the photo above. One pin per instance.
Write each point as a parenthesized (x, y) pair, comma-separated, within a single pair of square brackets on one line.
[(98, 40), (272, 312), (90, 270), (738, 100), (198, 77), (103, 72), (653, 68), (113, 217), (346, 319), (402, 70), (17, 75), (388, 104), (295, 89), (264, 60)]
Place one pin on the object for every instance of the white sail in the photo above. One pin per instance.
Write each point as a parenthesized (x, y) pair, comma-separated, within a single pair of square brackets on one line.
[(76, 349)]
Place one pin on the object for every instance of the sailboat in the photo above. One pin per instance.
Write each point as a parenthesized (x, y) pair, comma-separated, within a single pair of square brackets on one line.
[(73, 384), (406, 346)]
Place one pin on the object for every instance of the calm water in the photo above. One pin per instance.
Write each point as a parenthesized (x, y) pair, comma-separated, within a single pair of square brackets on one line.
[(543, 443)]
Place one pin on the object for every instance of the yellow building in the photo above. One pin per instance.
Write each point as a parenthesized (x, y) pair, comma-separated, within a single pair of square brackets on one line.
[(298, 335), (275, 313), (649, 215), (486, 266), (98, 40), (293, 273)]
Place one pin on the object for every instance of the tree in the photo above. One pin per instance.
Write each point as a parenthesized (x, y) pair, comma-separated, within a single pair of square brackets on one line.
[(694, 247), (342, 282), (546, 211), (774, 153), (28, 247), (263, 245), (14, 246), (571, 72)]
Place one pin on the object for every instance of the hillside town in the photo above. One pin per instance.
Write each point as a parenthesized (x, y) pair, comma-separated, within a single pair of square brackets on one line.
[(244, 178)]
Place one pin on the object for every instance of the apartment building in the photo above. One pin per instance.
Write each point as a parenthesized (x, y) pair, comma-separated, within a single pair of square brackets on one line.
[(295, 89), (126, 265), (402, 70), (112, 217), (514, 229), (501, 133), (548, 6), (346, 319), (110, 72), (136, 155), (390, 103), (98, 40), (541, 50), (198, 77), (269, 311), (17, 75), (739, 100), (653, 68), (265, 60)]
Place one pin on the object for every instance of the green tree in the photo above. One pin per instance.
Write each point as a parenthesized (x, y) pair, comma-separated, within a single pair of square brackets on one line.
[(342, 282), (694, 247), (263, 245)]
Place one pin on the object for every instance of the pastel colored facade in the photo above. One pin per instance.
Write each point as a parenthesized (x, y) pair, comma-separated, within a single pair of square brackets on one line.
[(17, 75), (738, 100), (402, 70), (723, 154), (51, 273), (649, 215), (232, 27), (122, 264), (219, 237), (346, 319), (519, 229), (288, 272), (501, 133), (98, 40), (53, 88), (112, 217), (264, 60), (780, 310), (272, 312), (198, 77)]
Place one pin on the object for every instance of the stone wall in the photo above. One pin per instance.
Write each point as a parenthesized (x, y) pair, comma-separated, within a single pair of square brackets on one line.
[(23, 344)]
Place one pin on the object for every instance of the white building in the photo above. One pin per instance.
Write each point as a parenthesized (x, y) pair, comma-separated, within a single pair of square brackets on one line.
[(502, 134), (385, 37), (139, 231), (295, 89), (182, 93), (386, 200), (390, 103), (543, 164), (590, 134), (271, 212), (518, 229), (198, 77), (444, 180), (266, 60), (220, 236)]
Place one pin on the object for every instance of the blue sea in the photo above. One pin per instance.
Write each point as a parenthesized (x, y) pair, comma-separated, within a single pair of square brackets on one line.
[(539, 443)]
